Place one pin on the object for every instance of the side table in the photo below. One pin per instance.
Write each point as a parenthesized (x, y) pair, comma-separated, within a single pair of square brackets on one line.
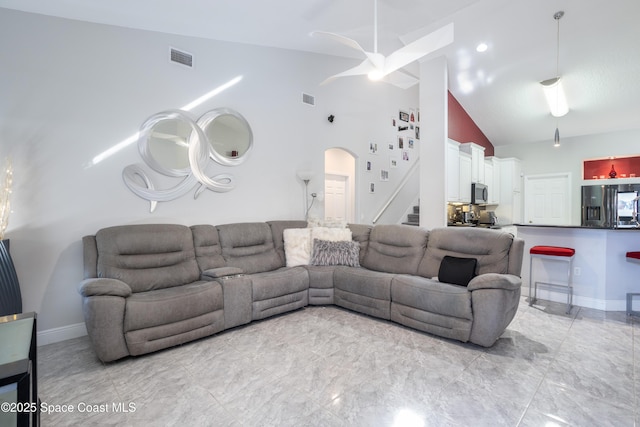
[(19, 365)]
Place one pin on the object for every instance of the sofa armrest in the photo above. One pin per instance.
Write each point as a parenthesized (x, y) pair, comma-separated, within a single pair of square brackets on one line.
[(217, 273), (495, 299), (104, 287), (495, 281)]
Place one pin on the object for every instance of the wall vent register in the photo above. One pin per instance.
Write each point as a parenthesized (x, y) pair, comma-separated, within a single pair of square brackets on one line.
[(181, 57), (308, 99)]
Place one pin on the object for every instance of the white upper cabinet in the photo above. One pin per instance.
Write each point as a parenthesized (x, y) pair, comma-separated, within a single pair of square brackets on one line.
[(492, 178), (453, 171), (477, 160), (465, 178)]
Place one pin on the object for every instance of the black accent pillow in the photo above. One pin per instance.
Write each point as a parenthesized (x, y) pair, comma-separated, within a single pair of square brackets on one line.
[(458, 271)]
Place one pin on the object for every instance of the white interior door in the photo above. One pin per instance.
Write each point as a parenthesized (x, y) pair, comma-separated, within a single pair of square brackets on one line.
[(547, 199), (336, 197)]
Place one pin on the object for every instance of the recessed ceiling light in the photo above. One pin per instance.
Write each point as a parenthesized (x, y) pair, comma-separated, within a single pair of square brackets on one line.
[(482, 47)]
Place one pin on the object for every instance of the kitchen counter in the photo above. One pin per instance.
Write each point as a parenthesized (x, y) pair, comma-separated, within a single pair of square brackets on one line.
[(602, 274), (581, 227), (468, 224)]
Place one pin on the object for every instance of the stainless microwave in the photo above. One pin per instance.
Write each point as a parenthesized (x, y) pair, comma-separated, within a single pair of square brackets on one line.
[(479, 194)]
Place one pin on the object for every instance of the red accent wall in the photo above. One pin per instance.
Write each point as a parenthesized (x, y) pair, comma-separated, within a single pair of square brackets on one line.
[(462, 128)]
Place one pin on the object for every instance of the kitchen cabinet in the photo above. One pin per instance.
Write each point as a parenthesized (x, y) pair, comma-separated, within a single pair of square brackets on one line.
[(465, 177), (453, 171), (492, 179), (477, 160), (488, 178), (509, 211)]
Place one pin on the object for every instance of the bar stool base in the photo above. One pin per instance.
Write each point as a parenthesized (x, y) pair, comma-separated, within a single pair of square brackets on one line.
[(630, 311)]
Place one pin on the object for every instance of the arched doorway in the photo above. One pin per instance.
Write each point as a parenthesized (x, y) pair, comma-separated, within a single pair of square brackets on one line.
[(339, 185)]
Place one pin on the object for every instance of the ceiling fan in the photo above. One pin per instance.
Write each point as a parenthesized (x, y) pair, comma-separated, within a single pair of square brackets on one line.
[(379, 67)]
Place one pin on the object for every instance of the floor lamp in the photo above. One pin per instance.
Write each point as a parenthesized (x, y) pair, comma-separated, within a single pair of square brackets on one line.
[(306, 176)]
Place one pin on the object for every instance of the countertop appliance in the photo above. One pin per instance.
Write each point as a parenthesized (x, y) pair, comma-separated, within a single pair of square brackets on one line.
[(479, 194), (610, 206), (488, 218)]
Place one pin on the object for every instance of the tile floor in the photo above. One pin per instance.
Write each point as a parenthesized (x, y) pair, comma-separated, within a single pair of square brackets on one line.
[(325, 366)]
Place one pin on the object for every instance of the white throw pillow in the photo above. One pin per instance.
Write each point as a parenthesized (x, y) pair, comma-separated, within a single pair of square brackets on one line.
[(329, 223), (297, 246), (330, 234)]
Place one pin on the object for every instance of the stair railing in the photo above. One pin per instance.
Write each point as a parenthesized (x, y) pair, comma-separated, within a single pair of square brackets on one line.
[(397, 190)]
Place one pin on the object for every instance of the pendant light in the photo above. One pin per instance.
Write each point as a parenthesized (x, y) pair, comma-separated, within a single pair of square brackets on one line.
[(553, 87)]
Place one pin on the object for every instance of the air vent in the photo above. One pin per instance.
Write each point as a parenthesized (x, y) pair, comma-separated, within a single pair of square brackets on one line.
[(182, 58), (308, 99)]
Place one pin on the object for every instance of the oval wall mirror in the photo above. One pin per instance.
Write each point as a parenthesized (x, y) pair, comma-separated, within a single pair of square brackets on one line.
[(229, 134), (164, 142)]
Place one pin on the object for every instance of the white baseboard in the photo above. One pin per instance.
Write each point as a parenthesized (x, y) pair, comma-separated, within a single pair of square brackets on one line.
[(62, 333), (580, 301)]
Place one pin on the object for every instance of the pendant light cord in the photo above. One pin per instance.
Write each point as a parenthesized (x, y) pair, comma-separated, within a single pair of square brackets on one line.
[(557, 16), (375, 26)]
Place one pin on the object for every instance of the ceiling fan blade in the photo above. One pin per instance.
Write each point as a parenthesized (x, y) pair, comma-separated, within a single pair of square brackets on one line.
[(400, 79), (419, 48), (340, 39), (365, 67)]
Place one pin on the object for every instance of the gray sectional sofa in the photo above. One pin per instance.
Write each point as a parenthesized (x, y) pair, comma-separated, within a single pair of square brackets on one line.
[(153, 286)]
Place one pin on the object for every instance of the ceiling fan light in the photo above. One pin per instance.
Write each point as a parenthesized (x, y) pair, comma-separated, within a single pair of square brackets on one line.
[(375, 75), (556, 99), (556, 138)]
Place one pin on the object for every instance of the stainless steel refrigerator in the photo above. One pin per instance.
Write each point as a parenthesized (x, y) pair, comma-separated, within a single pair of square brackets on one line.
[(610, 206)]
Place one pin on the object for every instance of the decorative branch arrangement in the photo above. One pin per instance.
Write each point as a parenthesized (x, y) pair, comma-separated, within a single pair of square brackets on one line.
[(5, 203)]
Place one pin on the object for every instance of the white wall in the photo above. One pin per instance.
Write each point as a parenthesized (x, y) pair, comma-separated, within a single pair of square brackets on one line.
[(70, 90), (544, 158)]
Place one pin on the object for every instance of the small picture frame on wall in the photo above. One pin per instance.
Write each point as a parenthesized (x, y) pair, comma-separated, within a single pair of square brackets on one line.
[(411, 143), (393, 162), (412, 116), (391, 147), (400, 142), (372, 187), (384, 175), (403, 116), (368, 166), (373, 148), (405, 155), (417, 132)]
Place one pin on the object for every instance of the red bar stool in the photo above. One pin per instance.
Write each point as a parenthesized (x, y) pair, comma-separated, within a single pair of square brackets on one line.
[(632, 256), (554, 253)]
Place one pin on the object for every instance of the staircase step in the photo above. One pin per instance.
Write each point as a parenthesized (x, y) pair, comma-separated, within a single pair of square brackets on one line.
[(416, 224), (416, 209), (413, 218)]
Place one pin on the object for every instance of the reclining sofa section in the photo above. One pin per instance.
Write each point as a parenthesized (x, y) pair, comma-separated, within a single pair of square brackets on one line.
[(153, 286)]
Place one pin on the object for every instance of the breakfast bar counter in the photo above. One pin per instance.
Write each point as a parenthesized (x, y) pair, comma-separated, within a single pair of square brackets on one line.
[(602, 275)]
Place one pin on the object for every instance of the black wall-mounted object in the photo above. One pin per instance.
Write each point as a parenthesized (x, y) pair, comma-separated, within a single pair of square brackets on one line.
[(10, 296)]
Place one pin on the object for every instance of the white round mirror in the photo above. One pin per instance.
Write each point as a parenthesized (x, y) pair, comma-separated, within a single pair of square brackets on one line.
[(229, 134), (164, 142)]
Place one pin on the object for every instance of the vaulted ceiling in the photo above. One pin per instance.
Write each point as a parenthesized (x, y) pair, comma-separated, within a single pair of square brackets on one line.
[(599, 56)]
